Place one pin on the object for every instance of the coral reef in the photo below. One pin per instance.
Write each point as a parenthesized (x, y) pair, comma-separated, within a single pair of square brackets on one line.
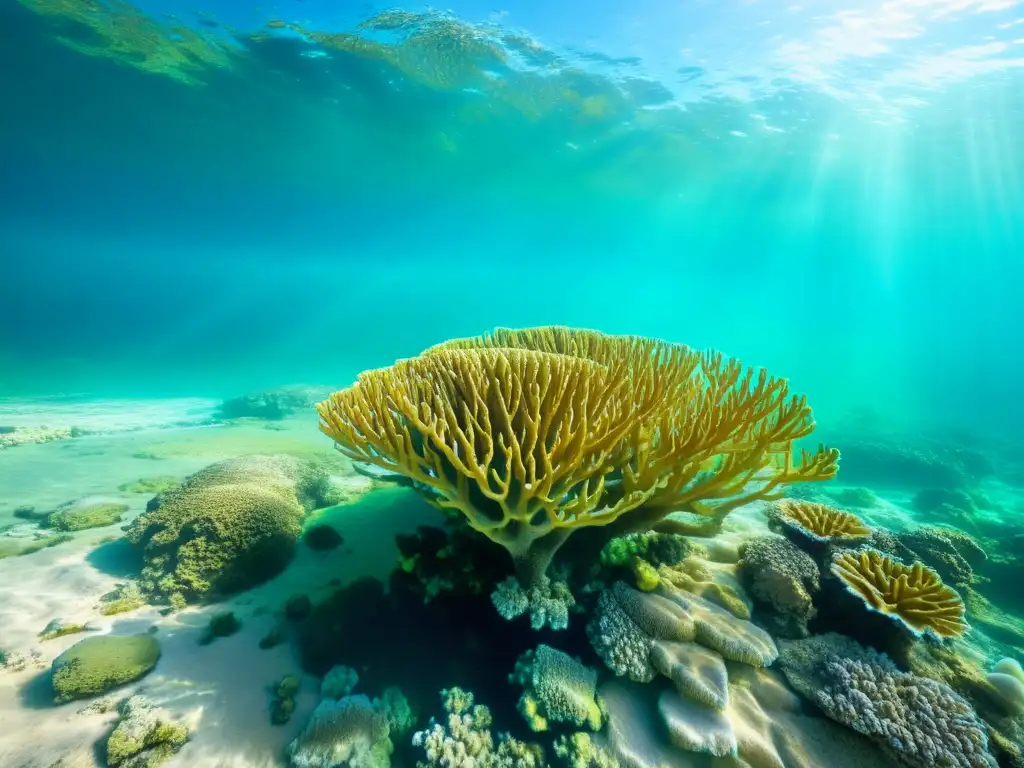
[(782, 580), (144, 737), (1007, 678), (339, 682), (861, 498), (271, 404), (532, 434), (124, 598), (558, 688), (579, 750), (913, 595), (282, 699), (99, 664), (922, 723), (351, 731), (466, 740), (548, 602), (297, 607), (640, 634), (818, 523), (79, 518), (151, 485), (650, 546), (229, 527), (451, 560), (951, 552), (59, 628)]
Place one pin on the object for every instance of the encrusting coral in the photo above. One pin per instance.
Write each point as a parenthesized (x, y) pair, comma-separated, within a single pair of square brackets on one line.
[(641, 634), (466, 740), (532, 434), (912, 595), (920, 722), (558, 688), (783, 580)]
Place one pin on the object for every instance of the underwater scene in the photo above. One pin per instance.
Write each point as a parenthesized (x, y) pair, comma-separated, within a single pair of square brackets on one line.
[(533, 385)]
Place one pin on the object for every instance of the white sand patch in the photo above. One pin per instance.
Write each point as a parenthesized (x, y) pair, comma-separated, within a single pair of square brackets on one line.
[(105, 415)]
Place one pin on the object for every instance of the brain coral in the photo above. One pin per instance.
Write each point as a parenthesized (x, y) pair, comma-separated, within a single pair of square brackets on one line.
[(98, 664), (532, 434), (782, 579), (819, 522), (223, 531), (913, 595)]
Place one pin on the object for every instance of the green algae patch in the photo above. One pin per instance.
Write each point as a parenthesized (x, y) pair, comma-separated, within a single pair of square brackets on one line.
[(126, 597), (144, 737), (95, 665), (45, 543), (87, 516), (152, 485)]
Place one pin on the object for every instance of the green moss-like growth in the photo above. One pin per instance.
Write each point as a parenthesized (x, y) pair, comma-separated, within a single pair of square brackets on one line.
[(151, 484), (45, 543), (298, 607), (322, 537), (127, 597), (655, 548), (282, 702), (87, 516), (144, 737), (57, 628), (221, 625), (228, 528), (96, 665)]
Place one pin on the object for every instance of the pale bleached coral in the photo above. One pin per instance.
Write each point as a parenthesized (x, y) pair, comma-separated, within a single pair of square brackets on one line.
[(466, 740), (548, 602), (352, 732), (1007, 678), (920, 722), (558, 688)]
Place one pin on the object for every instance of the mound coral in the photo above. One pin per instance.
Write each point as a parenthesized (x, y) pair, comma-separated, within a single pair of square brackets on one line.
[(920, 722), (467, 739), (99, 664), (532, 434), (352, 732), (229, 527), (558, 688), (1007, 678), (144, 737), (783, 580), (950, 551), (819, 522), (913, 595)]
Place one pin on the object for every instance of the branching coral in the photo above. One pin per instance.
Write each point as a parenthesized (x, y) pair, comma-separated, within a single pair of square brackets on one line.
[(467, 742), (913, 595), (819, 522), (558, 688), (532, 434)]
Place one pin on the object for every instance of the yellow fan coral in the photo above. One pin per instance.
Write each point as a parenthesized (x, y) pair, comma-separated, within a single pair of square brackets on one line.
[(533, 433), (820, 522), (913, 595)]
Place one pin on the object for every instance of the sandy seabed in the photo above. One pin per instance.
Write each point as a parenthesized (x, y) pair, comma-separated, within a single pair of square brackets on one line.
[(220, 689)]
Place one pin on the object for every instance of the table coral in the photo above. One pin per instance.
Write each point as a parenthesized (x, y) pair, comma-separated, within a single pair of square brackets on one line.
[(912, 595), (532, 434), (558, 688), (818, 523)]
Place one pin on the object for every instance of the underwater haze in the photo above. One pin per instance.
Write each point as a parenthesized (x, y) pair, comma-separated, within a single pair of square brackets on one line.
[(550, 384), (205, 203)]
